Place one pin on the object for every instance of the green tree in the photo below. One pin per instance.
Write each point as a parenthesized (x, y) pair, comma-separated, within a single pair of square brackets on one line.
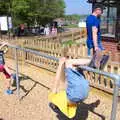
[(47, 10), (4, 7), (31, 11), (20, 9), (74, 17)]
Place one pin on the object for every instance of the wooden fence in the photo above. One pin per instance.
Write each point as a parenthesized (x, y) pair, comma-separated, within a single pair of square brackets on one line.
[(73, 35), (55, 48)]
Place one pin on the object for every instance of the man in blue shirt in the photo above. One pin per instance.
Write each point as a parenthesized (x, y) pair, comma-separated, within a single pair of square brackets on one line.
[(93, 30)]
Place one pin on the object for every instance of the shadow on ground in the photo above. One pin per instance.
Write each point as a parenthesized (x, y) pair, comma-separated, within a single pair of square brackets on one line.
[(81, 113), (23, 77)]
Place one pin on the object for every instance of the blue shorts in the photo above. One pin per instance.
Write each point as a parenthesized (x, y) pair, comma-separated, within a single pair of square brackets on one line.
[(91, 46), (77, 86)]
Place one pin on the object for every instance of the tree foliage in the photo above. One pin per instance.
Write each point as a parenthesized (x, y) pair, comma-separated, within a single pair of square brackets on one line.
[(31, 11), (75, 17), (4, 7)]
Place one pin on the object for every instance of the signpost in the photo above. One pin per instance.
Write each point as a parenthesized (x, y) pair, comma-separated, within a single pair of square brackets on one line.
[(3, 23)]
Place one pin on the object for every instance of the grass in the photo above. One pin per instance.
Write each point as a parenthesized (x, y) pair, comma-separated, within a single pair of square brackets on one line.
[(68, 43), (71, 26)]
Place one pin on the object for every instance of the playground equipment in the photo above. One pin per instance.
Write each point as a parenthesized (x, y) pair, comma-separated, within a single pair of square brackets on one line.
[(114, 77)]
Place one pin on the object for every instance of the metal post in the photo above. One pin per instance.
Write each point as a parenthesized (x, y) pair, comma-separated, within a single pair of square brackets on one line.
[(116, 79), (17, 78), (115, 101)]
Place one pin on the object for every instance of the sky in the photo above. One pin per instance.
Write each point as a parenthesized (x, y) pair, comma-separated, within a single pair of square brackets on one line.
[(77, 7)]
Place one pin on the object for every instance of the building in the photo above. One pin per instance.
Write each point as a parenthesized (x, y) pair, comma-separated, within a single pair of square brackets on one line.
[(110, 24)]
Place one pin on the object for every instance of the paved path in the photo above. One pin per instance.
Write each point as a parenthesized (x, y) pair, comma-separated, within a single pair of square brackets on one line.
[(35, 84)]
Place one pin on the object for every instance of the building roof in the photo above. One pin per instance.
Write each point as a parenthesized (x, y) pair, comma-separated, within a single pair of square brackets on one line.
[(106, 2)]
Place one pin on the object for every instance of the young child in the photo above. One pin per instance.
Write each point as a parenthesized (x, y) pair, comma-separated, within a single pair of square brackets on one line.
[(77, 87), (5, 70)]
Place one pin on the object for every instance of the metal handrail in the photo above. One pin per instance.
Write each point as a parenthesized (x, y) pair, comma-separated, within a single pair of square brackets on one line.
[(115, 77), (34, 52)]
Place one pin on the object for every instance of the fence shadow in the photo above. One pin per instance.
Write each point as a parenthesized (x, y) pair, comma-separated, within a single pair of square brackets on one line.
[(23, 77), (34, 85), (81, 113)]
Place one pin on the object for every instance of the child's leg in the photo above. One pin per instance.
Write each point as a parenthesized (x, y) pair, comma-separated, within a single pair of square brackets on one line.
[(7, 70), (7, 73), (8, 83), (76, 62), (58, 74)]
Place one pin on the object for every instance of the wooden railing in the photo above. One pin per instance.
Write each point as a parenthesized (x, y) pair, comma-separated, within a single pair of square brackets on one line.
[(73, 35), (79, 50), (56, 49)]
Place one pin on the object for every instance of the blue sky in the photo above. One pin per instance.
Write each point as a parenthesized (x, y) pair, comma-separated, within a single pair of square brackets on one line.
[(77, 7)]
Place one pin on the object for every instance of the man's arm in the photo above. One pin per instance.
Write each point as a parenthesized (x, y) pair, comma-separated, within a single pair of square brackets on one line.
[(95, 37)]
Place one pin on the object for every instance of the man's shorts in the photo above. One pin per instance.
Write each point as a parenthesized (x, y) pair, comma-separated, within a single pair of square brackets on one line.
[(77, 85), (2, 69)]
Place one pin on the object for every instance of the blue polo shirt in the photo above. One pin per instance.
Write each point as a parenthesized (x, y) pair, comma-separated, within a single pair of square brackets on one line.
[(93, 21)]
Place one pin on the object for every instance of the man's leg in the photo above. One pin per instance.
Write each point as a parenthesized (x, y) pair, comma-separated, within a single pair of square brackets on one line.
[(89, 52)]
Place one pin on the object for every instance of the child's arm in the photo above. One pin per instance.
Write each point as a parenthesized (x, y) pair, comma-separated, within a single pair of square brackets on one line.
[(58, 74)]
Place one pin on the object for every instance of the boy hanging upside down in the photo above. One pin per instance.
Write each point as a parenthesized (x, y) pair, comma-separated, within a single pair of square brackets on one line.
[(5, 70), (77, 87)]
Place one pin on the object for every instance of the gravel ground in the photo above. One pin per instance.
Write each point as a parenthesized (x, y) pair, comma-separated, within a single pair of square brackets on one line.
[(35, 84)]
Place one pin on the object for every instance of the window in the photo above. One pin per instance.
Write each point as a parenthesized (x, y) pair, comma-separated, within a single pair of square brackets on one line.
[(108, 22)]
